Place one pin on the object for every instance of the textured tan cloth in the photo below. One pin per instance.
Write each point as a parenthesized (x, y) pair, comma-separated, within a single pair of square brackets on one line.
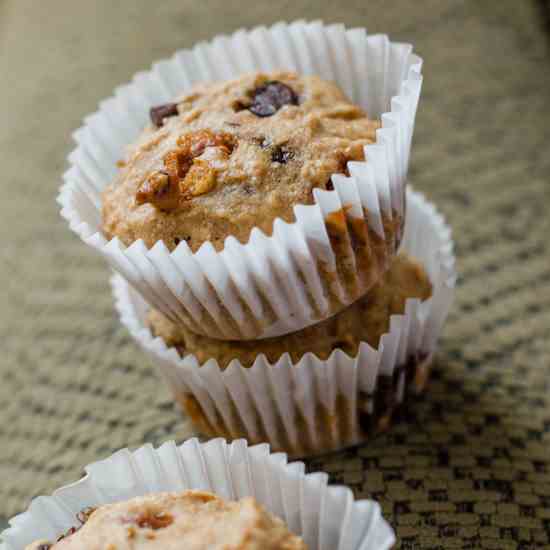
[(470, 466)]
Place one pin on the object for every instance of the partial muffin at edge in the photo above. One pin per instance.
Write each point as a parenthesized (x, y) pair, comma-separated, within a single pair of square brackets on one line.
[(192, 520)]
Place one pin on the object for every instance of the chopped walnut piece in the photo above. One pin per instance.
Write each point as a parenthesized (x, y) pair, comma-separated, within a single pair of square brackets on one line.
[(160, 520), (159, 191), (200, 179), (184, 176), (194, 143)]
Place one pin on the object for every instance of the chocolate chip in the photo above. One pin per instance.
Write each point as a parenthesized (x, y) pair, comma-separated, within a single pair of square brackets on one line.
[(160, 112), (329, 186), (247, 189), (270, 97), (45, 546), (281, 155)]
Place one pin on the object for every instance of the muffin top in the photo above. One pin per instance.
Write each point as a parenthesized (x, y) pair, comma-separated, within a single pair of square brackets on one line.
[(193, 520), (231, 156), (364, 321)]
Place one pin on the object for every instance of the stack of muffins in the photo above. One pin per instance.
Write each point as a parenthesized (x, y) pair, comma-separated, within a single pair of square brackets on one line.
[(269, 255), (272, 261)]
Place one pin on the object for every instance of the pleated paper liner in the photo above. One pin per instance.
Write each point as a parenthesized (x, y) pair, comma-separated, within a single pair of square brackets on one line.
[(305, 271), (327, 517), (314, 406)]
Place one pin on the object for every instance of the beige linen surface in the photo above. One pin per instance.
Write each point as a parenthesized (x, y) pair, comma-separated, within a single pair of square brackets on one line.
[(469, 467)]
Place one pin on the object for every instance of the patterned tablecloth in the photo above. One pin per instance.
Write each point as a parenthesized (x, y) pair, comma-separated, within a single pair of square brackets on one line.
[(469, 465)]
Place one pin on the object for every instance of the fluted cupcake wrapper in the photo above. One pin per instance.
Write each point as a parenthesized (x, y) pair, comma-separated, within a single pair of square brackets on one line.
[(314, 406), (302, 273), (327, 517)]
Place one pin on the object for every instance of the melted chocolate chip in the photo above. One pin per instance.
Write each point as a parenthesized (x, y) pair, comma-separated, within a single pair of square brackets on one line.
[(281, 155), (329, 186), (160, 112), (270, 97)]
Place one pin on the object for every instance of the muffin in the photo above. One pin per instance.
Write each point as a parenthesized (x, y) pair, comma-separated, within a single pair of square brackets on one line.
[(268, 197), (192, 520), (364, 321), (231, 156), (172, 504)]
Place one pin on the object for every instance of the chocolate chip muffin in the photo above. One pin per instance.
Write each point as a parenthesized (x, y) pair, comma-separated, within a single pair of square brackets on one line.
[(231, 156), (364, 321), (192, 520)]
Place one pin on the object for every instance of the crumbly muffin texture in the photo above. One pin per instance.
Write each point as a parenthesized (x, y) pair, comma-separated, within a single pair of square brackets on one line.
[(231, 156), (193, 520), (365, 320)]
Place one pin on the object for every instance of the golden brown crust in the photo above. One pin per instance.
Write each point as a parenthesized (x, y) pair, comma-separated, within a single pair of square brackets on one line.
[(273, 164), (194, 520), (366, 320)]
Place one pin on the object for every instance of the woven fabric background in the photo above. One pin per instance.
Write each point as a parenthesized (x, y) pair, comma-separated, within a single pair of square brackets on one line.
[(469, 465)]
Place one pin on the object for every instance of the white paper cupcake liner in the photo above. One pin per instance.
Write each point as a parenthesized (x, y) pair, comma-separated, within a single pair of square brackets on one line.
[(314, 406), (327, 517), (296, 277)]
